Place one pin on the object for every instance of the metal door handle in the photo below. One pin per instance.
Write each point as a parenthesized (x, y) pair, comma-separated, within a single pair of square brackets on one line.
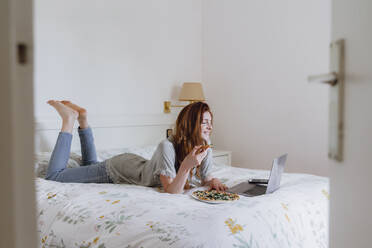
[(328, 78), (335, 78)]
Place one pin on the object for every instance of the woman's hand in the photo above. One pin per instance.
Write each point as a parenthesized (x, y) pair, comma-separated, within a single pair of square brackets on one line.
[(216, 184), (194, 158), (177, 184)]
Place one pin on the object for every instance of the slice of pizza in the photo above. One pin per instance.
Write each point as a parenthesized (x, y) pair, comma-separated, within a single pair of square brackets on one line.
[(203, 148)]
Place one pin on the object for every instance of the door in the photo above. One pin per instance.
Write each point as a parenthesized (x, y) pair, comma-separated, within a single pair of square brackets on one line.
[(17, 208), (351, 179)]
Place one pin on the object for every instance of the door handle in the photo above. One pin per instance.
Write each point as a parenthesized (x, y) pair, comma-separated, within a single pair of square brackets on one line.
[(328, 78), (335, 78)]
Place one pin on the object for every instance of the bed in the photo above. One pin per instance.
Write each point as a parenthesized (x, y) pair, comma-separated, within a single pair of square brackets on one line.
[(108, 215)]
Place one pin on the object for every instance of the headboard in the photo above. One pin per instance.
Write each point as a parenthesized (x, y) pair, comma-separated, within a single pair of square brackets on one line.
[(109, 131)]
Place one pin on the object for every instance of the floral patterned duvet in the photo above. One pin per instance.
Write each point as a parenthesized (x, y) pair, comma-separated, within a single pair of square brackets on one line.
[(108, 215)]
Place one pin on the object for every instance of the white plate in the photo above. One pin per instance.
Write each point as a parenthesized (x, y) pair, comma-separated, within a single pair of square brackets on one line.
[(211, 202)]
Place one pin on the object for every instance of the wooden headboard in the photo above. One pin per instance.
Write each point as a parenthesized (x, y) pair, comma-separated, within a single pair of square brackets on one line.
[(109, 131)]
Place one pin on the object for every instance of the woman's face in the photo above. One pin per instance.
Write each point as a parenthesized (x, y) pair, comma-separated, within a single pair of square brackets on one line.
[(206, 126)]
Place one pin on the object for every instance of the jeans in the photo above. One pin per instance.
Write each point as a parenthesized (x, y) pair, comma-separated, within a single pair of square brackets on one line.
[(90, 171)]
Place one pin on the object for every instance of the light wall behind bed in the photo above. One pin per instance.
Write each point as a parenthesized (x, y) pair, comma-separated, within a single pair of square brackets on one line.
[(115, 57), (118, 59), (257, 56), (124, 58)]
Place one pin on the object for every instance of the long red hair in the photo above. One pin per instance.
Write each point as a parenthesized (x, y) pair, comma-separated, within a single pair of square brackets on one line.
[(188, 129)]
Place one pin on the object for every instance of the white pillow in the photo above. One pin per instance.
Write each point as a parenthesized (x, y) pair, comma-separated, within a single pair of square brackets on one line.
[(145, 152), (42, 162), (42, 158)]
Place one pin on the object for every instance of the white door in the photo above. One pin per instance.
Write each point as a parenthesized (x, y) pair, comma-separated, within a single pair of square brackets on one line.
[(351, 180), (17, 191)]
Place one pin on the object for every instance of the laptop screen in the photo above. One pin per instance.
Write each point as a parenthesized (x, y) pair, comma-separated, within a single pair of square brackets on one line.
[(276, 174)]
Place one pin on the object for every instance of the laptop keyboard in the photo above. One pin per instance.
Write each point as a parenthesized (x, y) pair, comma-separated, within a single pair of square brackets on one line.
[(257, 190)]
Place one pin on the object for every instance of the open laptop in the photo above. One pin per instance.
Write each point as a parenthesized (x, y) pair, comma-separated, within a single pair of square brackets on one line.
[(257, 187)]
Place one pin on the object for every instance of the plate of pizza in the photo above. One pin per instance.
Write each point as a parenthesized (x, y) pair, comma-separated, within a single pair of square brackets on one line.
[(214, 196)]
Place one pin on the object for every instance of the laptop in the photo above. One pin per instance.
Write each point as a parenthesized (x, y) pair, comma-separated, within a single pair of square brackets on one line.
[(256, 187)]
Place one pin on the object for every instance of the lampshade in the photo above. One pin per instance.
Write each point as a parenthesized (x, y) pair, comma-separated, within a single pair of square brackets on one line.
[(191, 92)]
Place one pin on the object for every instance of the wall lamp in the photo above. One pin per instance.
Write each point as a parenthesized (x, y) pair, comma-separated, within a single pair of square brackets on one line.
[(191, 92)]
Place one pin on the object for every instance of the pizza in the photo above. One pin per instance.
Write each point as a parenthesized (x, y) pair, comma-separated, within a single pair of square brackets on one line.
[(203, 148), (215, 196)]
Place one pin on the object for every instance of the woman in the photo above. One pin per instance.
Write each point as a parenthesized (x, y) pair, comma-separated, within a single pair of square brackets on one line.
[(174, 165)]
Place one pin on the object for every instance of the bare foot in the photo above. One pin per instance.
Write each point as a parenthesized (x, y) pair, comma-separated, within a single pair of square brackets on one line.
[(83, 114), (68, 115)]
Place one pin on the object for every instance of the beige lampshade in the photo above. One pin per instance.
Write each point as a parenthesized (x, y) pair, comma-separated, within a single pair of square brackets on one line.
[(191, 92)]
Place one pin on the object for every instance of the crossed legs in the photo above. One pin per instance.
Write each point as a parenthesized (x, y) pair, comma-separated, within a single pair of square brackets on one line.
[(57, 170)]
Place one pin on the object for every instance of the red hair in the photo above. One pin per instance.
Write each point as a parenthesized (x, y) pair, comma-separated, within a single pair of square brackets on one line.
[(188, 129)]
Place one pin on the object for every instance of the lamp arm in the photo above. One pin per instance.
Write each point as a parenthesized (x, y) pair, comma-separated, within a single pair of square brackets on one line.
[(168, 105), (178, 106)]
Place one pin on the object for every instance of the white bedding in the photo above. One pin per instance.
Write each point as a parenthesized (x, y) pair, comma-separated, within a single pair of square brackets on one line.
[(108, 215)]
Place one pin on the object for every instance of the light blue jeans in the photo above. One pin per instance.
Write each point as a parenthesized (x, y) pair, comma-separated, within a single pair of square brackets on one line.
[(90, 171)]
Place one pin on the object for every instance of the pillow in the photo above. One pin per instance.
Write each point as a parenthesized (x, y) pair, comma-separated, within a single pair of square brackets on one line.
[(42, 158), (145, 152), (42, 162)]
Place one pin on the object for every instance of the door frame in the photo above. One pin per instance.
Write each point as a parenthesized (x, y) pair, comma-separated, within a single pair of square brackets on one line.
[(17, 187)]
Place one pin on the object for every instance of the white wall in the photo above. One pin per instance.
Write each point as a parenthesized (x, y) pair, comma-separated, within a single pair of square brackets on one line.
[(351, 184), (257, 55), (127, 57), (115, 56)]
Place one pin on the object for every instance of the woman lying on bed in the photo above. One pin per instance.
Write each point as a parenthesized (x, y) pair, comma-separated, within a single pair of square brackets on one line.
[(177, 161)]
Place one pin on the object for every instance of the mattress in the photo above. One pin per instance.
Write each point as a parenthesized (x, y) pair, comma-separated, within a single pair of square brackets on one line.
[(109, 215)]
